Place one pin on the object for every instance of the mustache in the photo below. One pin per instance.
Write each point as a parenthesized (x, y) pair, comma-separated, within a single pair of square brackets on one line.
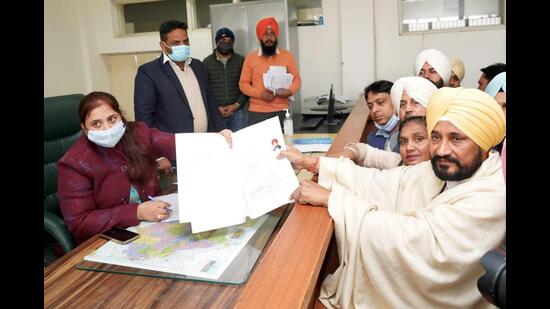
[(447, 158)]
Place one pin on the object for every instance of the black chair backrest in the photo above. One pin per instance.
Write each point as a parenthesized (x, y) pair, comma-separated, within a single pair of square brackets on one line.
[(61, 129)]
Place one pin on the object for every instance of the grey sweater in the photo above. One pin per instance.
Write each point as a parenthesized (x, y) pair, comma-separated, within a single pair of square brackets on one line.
[(224, 80)]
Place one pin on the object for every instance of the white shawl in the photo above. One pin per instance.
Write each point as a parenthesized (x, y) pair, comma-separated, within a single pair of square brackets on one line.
[(402, 244)]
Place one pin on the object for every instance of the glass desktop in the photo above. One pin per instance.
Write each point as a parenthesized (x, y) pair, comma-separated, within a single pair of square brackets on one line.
[(236, 273)]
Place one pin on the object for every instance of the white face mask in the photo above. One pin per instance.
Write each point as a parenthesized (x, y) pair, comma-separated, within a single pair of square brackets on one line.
[(108, 138)]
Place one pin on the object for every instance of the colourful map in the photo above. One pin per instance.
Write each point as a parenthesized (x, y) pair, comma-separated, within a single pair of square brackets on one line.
[(171, 247)]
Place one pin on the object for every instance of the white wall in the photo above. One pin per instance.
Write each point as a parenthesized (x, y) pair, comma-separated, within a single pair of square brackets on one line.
[(396, 54), (358, 46), (101, 33), (320, 55), (358, 43), (77, 36), (63, 52)]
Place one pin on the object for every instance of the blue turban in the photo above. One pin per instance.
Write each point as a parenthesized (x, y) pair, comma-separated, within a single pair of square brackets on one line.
[(223, 33), (496, 84)]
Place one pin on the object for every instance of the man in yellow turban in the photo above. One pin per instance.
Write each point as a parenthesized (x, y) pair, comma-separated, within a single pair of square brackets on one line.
[(457, 73), (414, 235)]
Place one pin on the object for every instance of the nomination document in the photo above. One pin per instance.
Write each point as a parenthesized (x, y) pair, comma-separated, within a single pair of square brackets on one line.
[(219, 186)]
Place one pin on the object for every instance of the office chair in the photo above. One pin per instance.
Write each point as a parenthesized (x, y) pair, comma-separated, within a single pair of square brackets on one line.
[(61, 129)]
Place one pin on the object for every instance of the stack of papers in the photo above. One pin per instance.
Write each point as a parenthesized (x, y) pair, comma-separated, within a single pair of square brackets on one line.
[(277, 77), (221, 186), (312, 144)]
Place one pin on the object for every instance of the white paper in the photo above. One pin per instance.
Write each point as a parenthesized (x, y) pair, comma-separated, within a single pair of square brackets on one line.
[(210, 193), (221, 186), (268, 181), (277, 77), (172, 199)]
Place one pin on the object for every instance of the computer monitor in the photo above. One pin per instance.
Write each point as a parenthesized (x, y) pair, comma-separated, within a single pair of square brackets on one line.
[(330, 113)]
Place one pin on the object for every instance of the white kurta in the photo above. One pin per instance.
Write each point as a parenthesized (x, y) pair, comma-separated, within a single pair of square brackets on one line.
[(401, 244), (369, 156)]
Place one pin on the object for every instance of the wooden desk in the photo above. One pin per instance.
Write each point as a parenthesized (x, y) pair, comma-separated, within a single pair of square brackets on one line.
[(285, 276)]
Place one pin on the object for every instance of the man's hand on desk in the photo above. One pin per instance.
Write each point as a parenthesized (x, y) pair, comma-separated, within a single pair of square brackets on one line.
[(311, 193), (283, 93), (267, 95)]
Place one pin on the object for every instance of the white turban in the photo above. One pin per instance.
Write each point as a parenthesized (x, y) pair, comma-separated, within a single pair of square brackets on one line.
[(418, 88), (437, 60)]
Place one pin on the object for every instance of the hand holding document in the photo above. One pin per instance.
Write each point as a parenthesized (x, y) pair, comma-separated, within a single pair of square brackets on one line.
[(221, 186), (277, 77)]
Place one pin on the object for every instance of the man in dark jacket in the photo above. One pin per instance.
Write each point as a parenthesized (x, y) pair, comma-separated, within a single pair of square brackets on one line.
[(172, 92), (224, 67)]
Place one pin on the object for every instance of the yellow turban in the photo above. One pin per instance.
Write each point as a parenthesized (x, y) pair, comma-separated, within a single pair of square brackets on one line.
[(458, 68), (472, 111)]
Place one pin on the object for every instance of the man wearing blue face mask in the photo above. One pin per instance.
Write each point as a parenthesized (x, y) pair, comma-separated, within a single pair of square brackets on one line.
[(384, 116), (172, 92)]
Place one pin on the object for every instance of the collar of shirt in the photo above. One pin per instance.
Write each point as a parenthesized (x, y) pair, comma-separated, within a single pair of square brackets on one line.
[(166, 59), (383, 133), (260, 51), (450, 184)]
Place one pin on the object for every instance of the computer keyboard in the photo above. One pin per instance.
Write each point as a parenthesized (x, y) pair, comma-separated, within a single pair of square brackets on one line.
[(325, 108), (311, 123)]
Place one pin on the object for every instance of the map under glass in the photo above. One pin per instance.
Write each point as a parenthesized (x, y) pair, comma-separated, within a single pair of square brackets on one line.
[(171, 247)]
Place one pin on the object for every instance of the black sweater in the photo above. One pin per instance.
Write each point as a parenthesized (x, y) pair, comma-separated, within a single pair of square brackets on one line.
[(224, 80)]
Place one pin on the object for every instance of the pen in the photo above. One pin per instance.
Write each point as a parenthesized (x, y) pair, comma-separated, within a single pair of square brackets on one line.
[(155, 199)]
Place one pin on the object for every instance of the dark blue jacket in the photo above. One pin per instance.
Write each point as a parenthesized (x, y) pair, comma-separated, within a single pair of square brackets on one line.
[(379, 141), (159, 99)]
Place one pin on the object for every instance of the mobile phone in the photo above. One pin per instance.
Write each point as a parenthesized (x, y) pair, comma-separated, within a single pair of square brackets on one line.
[(120, 235)]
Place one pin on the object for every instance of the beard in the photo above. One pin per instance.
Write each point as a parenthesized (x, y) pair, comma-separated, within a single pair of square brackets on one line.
[(268, 50), (438, 84), (462, 171)]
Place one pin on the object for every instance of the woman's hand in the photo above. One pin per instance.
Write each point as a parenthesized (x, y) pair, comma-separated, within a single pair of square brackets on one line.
[(311, 193), (164, 166), (296, 158), (153, 211), (227, 134)]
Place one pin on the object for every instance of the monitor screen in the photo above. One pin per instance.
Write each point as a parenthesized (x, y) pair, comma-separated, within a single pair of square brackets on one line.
[(330, 113)]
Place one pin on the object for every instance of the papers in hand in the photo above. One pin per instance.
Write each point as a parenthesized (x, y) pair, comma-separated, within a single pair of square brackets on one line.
[(225, 185), (277, 77)]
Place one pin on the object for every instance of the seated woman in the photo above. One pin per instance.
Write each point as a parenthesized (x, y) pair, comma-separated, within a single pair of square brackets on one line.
[(105, 178), (413, 147)]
